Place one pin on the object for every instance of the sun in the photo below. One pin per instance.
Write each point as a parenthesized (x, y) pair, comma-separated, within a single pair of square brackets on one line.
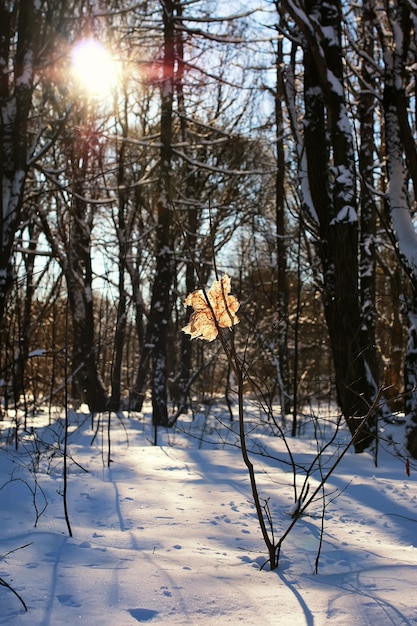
[(94, 69)]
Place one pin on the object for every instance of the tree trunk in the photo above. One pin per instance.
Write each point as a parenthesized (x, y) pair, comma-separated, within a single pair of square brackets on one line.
[(121, 319), (87, 383), (182, 380), (160, 311), (25, 330), (15, 104), (401, 219), (331, 173), (282, 279), (368, 222)]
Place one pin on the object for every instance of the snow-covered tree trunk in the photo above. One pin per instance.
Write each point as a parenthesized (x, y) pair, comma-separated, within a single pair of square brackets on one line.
[(407, 245), (395, 49), (367, 256), (330, 160)]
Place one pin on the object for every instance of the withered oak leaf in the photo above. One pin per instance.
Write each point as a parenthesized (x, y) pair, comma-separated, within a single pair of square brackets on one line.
[(218, 312)]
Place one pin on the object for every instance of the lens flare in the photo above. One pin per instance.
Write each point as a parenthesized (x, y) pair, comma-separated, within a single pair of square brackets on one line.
[(94, 69)]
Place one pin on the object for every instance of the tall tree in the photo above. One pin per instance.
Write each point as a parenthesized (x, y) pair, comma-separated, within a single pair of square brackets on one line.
[(330, 161), (395, 31), (281, 231), (368, 212), (20, 41), (155, 348)]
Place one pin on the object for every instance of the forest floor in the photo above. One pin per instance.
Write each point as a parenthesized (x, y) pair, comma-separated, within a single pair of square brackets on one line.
[(168, 534)]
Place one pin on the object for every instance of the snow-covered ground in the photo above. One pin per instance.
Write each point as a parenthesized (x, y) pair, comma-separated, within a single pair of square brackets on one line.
[(168, 534)]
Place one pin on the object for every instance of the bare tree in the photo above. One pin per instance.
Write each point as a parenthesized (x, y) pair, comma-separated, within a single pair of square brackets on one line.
[(395, 31), (21, 31), (330, 194)]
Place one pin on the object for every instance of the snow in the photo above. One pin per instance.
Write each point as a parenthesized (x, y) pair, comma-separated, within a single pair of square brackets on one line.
[(346, 215), (330, 35), (25, 78), (335, 83), (37, 352), (168, 535)]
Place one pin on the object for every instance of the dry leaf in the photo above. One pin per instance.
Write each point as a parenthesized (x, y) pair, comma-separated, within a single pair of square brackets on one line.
[(207, 319)]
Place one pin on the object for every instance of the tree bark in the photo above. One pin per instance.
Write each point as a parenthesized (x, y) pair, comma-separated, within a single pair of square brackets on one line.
[(77, 267), (160, 310), (332, 180), (368, 222), (281, 231), (121, 318), (15, 103), (398, 205)]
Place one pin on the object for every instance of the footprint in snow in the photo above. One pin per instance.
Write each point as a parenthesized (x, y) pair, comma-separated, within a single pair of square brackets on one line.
[(67, 600), (143, 615)]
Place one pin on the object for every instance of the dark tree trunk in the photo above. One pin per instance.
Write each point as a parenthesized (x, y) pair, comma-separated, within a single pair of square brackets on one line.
[(15, 104), (397, 145), (87, 385), (281, 229), (121, 319), (160, 311), (368, 222), (182, 380), (184, 376), (25, 330), (330, 156)]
